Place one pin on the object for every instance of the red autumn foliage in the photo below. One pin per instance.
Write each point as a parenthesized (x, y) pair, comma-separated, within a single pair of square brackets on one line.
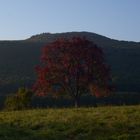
[(73, 66)]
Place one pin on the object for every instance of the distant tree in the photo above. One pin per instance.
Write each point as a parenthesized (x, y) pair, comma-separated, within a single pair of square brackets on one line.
[(72, 66), (20, 100)]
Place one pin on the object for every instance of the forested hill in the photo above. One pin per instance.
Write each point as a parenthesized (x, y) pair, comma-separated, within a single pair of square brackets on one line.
[(18, 59), (98, 39)]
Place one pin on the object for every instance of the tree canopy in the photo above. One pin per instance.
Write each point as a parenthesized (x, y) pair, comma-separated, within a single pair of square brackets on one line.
[(74, 67)]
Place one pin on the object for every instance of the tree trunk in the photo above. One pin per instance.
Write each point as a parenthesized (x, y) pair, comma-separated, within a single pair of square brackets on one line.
[(76, 101)]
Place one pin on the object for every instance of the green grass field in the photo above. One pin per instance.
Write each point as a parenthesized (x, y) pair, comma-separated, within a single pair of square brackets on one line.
[(101, 123)]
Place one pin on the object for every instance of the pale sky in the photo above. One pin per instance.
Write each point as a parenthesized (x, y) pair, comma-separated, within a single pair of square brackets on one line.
[(117, 19)]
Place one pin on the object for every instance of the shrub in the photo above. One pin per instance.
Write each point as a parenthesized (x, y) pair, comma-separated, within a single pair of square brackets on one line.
[(20, 100)]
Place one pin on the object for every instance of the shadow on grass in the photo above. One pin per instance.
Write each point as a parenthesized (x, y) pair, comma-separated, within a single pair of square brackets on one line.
[(56, 131), (10, 132)]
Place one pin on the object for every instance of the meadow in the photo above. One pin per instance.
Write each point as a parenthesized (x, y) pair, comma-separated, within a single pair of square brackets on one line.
[(100, 123)]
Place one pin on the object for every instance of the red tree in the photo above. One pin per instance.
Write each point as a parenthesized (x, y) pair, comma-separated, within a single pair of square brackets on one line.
[(74, 67)]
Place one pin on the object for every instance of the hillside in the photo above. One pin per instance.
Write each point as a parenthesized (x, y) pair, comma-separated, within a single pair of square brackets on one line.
[(101, 123), (18, 59)]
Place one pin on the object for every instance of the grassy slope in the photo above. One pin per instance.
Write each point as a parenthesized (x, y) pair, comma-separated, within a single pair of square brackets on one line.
[(102, 123)]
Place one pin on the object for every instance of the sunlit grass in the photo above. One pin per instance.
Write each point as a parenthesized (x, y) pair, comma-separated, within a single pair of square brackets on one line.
[(101, 123)]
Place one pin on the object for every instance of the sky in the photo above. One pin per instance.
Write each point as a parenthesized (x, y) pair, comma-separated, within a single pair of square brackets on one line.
[(117, 19)]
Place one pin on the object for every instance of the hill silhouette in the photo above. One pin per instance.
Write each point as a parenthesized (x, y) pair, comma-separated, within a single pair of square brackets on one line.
[(18, 59)]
